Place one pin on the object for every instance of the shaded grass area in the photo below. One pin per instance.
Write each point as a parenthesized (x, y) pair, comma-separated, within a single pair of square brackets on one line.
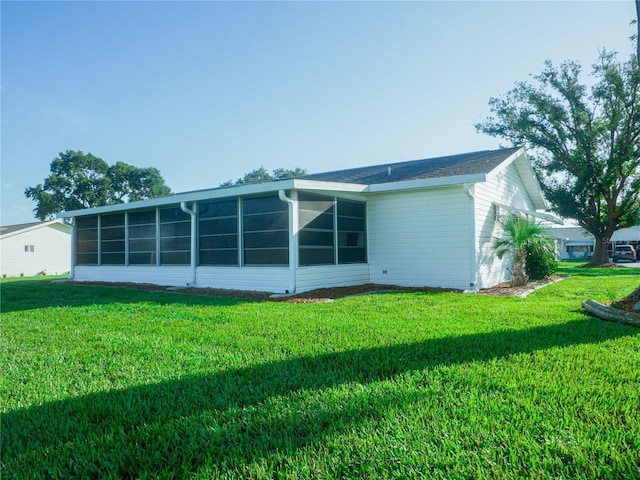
[(111, 382)]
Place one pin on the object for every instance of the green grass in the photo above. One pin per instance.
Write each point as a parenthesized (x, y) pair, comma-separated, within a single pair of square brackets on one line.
[(105, 382)]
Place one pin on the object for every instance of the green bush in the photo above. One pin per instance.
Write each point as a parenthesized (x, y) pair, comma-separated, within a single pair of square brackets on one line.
[(541, 261)]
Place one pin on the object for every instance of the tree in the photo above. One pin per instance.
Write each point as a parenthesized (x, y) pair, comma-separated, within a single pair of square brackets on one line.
[(638, 33), (262, 175), (522, 237), (584, 141), (79, 180)]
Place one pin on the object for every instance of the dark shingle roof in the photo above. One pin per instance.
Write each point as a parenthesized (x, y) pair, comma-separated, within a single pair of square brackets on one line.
[(15, 228), (453, 165)]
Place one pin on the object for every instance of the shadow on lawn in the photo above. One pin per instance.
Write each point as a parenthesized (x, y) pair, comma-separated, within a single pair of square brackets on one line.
[(229, 419), (33, 294)]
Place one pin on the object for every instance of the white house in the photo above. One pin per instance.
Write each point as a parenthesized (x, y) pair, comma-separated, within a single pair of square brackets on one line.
[(34, 248), (577, 243), (415, 223)]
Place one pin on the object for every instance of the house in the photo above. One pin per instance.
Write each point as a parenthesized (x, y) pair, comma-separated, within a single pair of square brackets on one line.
[(577, 243), (35, 248), (414, 223)]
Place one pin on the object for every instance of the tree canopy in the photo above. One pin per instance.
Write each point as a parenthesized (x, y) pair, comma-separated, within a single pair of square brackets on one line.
[(584, 140), (78, 180), (262, 175)]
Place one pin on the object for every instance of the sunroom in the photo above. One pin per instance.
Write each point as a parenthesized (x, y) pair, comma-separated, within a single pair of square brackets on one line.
[(251, 242)]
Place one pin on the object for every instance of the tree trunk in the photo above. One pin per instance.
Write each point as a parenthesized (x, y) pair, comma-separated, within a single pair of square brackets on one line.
[(601, 252), (519, 275), (635, 295)]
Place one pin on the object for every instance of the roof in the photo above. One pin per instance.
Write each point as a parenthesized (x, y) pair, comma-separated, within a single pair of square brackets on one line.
[(571, 234), (23, 227), (440, 167), (16, 228), (466, 168)]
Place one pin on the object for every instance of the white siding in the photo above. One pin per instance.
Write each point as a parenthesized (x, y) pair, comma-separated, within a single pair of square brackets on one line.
[(421, 238), (267, 279), (51, 251), (261, 279), (327, 276), (506, 188), (163, 275)]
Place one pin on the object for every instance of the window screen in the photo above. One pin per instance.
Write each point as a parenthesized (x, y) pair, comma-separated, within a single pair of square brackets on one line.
[(87, 240), (351, 231), (175, 237), (316, 238), (112, 239), (142, 237), (265, 231), (218, 232)]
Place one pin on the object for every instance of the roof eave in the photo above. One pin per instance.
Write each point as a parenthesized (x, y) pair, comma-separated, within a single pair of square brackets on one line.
[(427, 183), (213, 193)]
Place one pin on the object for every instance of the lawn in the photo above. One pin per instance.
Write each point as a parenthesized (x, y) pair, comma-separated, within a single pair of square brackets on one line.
[(106, 382)]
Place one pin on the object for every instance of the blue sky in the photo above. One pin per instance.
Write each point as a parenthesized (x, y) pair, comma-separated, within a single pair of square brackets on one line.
[(206, 91)]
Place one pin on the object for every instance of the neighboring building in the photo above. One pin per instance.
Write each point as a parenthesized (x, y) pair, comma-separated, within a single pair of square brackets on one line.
[(35, 248), (573, 242), (577, 243), (416, 223)]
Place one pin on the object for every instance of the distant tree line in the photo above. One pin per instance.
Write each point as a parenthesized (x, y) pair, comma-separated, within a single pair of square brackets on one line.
[(78, 180), (262, 175)]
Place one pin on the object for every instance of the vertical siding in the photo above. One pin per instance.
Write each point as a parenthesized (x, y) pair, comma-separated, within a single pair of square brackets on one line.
[(421, 238), (52, 252), (506, 188)]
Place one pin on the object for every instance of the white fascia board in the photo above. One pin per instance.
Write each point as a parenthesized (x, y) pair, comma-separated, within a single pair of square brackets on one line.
[(35, 227), (220, 192), (329, 186), (505, 163), (523, 165), (427, 183), (212, 193), (532, 213)]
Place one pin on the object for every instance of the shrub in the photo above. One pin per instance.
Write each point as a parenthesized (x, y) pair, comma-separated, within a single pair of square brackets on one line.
[(541, 260)]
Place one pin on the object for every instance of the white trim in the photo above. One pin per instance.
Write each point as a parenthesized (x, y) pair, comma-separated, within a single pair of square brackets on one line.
[(519, 211), (427, 183)]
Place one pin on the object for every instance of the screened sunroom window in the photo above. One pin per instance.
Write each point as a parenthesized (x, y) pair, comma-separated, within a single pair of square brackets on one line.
[(265, 231), (175, 237), (218, 232), (351, 231), (316, 238), (112, 239), (142, 237), (87, 240)]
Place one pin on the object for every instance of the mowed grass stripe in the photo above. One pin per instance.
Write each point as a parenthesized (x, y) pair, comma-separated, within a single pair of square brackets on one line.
[(102, 382)]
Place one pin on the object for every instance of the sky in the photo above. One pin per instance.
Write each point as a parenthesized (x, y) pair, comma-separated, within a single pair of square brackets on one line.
[(207, 91)]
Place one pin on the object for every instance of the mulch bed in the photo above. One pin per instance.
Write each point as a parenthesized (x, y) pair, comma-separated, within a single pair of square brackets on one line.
[(323, 294)]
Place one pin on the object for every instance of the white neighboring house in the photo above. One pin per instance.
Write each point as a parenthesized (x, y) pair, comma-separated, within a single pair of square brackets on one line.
[(33, 248), (427, 222), (577, 243)]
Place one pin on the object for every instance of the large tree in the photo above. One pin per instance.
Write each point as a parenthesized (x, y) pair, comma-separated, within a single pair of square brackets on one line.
[(584, 140), (263, 175), (638, 26), (78, 180)]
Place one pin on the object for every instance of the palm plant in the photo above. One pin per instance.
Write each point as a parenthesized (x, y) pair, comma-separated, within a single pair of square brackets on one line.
[(521, 237)]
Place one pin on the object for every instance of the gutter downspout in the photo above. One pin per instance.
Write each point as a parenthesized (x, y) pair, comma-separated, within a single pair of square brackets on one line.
[(194, 243), (74, 234), (293, 236), (473, 284)]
